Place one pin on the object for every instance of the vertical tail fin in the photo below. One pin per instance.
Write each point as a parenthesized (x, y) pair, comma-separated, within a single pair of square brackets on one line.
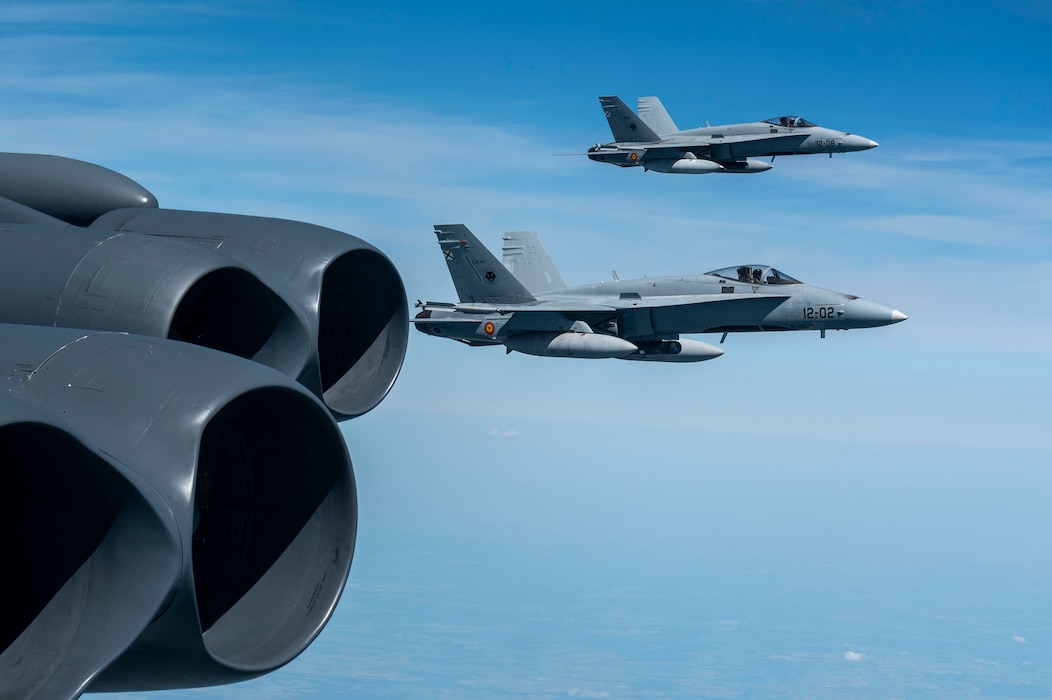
[(624, 124), (527, 259), (476, 274), (656, 116)]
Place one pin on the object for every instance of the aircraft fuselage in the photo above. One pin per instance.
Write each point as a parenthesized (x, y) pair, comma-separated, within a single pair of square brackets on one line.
[(669, 306)]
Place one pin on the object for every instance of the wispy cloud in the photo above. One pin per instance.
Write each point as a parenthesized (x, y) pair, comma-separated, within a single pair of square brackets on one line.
[(78, 15), (503, 433)]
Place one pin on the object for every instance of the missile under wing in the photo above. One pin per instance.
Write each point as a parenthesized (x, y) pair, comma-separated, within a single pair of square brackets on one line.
[(183, 499), (641, 319), (651, 140)]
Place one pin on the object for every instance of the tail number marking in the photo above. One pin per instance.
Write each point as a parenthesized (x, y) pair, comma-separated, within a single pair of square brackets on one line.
[(812, 312)]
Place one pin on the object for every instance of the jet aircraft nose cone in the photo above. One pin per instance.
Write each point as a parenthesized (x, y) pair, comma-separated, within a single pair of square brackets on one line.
[(853, 142), (862, 313)]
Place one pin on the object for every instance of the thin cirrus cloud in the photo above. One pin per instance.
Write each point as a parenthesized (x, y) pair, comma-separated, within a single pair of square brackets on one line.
[(497, 432)]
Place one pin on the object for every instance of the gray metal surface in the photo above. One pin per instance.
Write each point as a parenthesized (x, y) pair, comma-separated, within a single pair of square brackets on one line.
[(347, 294), (68, 189)]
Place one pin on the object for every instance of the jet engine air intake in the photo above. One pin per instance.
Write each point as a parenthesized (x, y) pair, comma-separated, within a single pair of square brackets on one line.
[(230, 310), (348, 292), (362, 331), (241, 475), (71, 520), (147, 285)]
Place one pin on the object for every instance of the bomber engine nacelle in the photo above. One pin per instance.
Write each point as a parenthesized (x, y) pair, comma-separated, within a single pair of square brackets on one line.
[(569, 344), (175, 516), (349, 296), (82, 278), (321, 306), (179, 504), (674, 351)]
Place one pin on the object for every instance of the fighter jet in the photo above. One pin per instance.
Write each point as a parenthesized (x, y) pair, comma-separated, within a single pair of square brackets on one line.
[(651, 140), (524, 305)]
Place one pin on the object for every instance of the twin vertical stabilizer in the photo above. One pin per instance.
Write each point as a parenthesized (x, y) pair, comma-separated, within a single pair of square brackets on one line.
[(477, 274), (526, 258)]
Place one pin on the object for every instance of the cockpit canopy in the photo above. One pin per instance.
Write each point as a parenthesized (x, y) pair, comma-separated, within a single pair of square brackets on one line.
[(791, 122), (754, 274)]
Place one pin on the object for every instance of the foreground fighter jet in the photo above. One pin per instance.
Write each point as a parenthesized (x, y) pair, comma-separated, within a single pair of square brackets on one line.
[(652, 140), (525, 306), (178, 505)]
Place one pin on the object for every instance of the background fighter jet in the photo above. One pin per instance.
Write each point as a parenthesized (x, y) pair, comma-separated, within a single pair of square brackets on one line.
[(525, 306), (652, 140), (178, 504)]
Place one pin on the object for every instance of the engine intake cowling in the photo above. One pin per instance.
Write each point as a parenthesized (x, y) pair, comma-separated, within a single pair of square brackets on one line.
[(240, 472), (349, 293)]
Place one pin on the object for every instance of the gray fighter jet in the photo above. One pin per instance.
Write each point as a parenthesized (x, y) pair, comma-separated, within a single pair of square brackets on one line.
[(651, 140), (524, 305)]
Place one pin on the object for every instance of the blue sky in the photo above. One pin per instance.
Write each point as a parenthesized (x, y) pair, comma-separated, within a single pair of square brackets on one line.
[(864, 515)]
